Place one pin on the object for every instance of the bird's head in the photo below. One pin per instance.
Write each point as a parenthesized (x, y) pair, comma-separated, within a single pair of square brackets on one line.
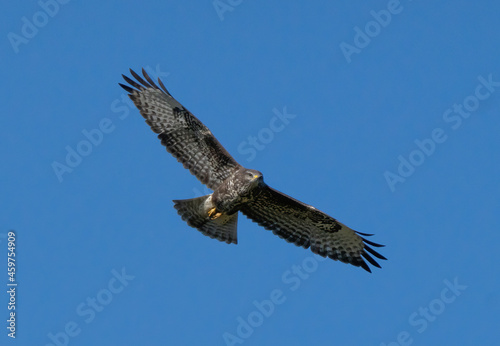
[(253, 176), (249, 180)]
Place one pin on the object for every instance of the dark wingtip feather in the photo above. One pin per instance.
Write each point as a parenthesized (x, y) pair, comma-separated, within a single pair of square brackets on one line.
[(372, 243), (139, 79), (370, 259), (365, 266), (374, 253), (133, 83), (149, 79), (163, 86), (365, 234), (127, 88)]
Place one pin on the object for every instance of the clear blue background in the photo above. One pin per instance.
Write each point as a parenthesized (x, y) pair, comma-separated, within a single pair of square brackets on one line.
[(353, 120)]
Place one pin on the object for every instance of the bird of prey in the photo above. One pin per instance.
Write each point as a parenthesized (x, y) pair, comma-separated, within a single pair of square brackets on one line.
[(236, 188)]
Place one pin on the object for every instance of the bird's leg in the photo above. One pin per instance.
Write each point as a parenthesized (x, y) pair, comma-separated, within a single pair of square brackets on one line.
[(213, 213)]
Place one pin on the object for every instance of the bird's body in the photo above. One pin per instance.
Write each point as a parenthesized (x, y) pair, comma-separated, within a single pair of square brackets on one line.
[(236, 188)]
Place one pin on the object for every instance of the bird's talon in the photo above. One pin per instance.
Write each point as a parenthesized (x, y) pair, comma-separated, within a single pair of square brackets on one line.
[(213, 214)]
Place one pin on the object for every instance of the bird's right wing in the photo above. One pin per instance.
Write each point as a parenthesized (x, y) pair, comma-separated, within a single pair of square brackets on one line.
[(306, 226), (184, 136)]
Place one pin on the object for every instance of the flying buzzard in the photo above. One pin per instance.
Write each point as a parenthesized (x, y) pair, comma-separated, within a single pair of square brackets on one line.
[(237, 188)]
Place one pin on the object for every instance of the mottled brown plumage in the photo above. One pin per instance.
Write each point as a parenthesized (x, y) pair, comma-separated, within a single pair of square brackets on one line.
[(237, 188)]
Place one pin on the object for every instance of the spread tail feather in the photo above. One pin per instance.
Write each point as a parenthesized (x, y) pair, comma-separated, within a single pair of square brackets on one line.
[(198, 213)]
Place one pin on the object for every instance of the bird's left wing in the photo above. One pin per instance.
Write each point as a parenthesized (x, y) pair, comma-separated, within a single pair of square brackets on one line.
[(185, 137), (306, 226)]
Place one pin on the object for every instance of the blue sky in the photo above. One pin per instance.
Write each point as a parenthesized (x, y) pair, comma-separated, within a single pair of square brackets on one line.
[(392, 122)]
